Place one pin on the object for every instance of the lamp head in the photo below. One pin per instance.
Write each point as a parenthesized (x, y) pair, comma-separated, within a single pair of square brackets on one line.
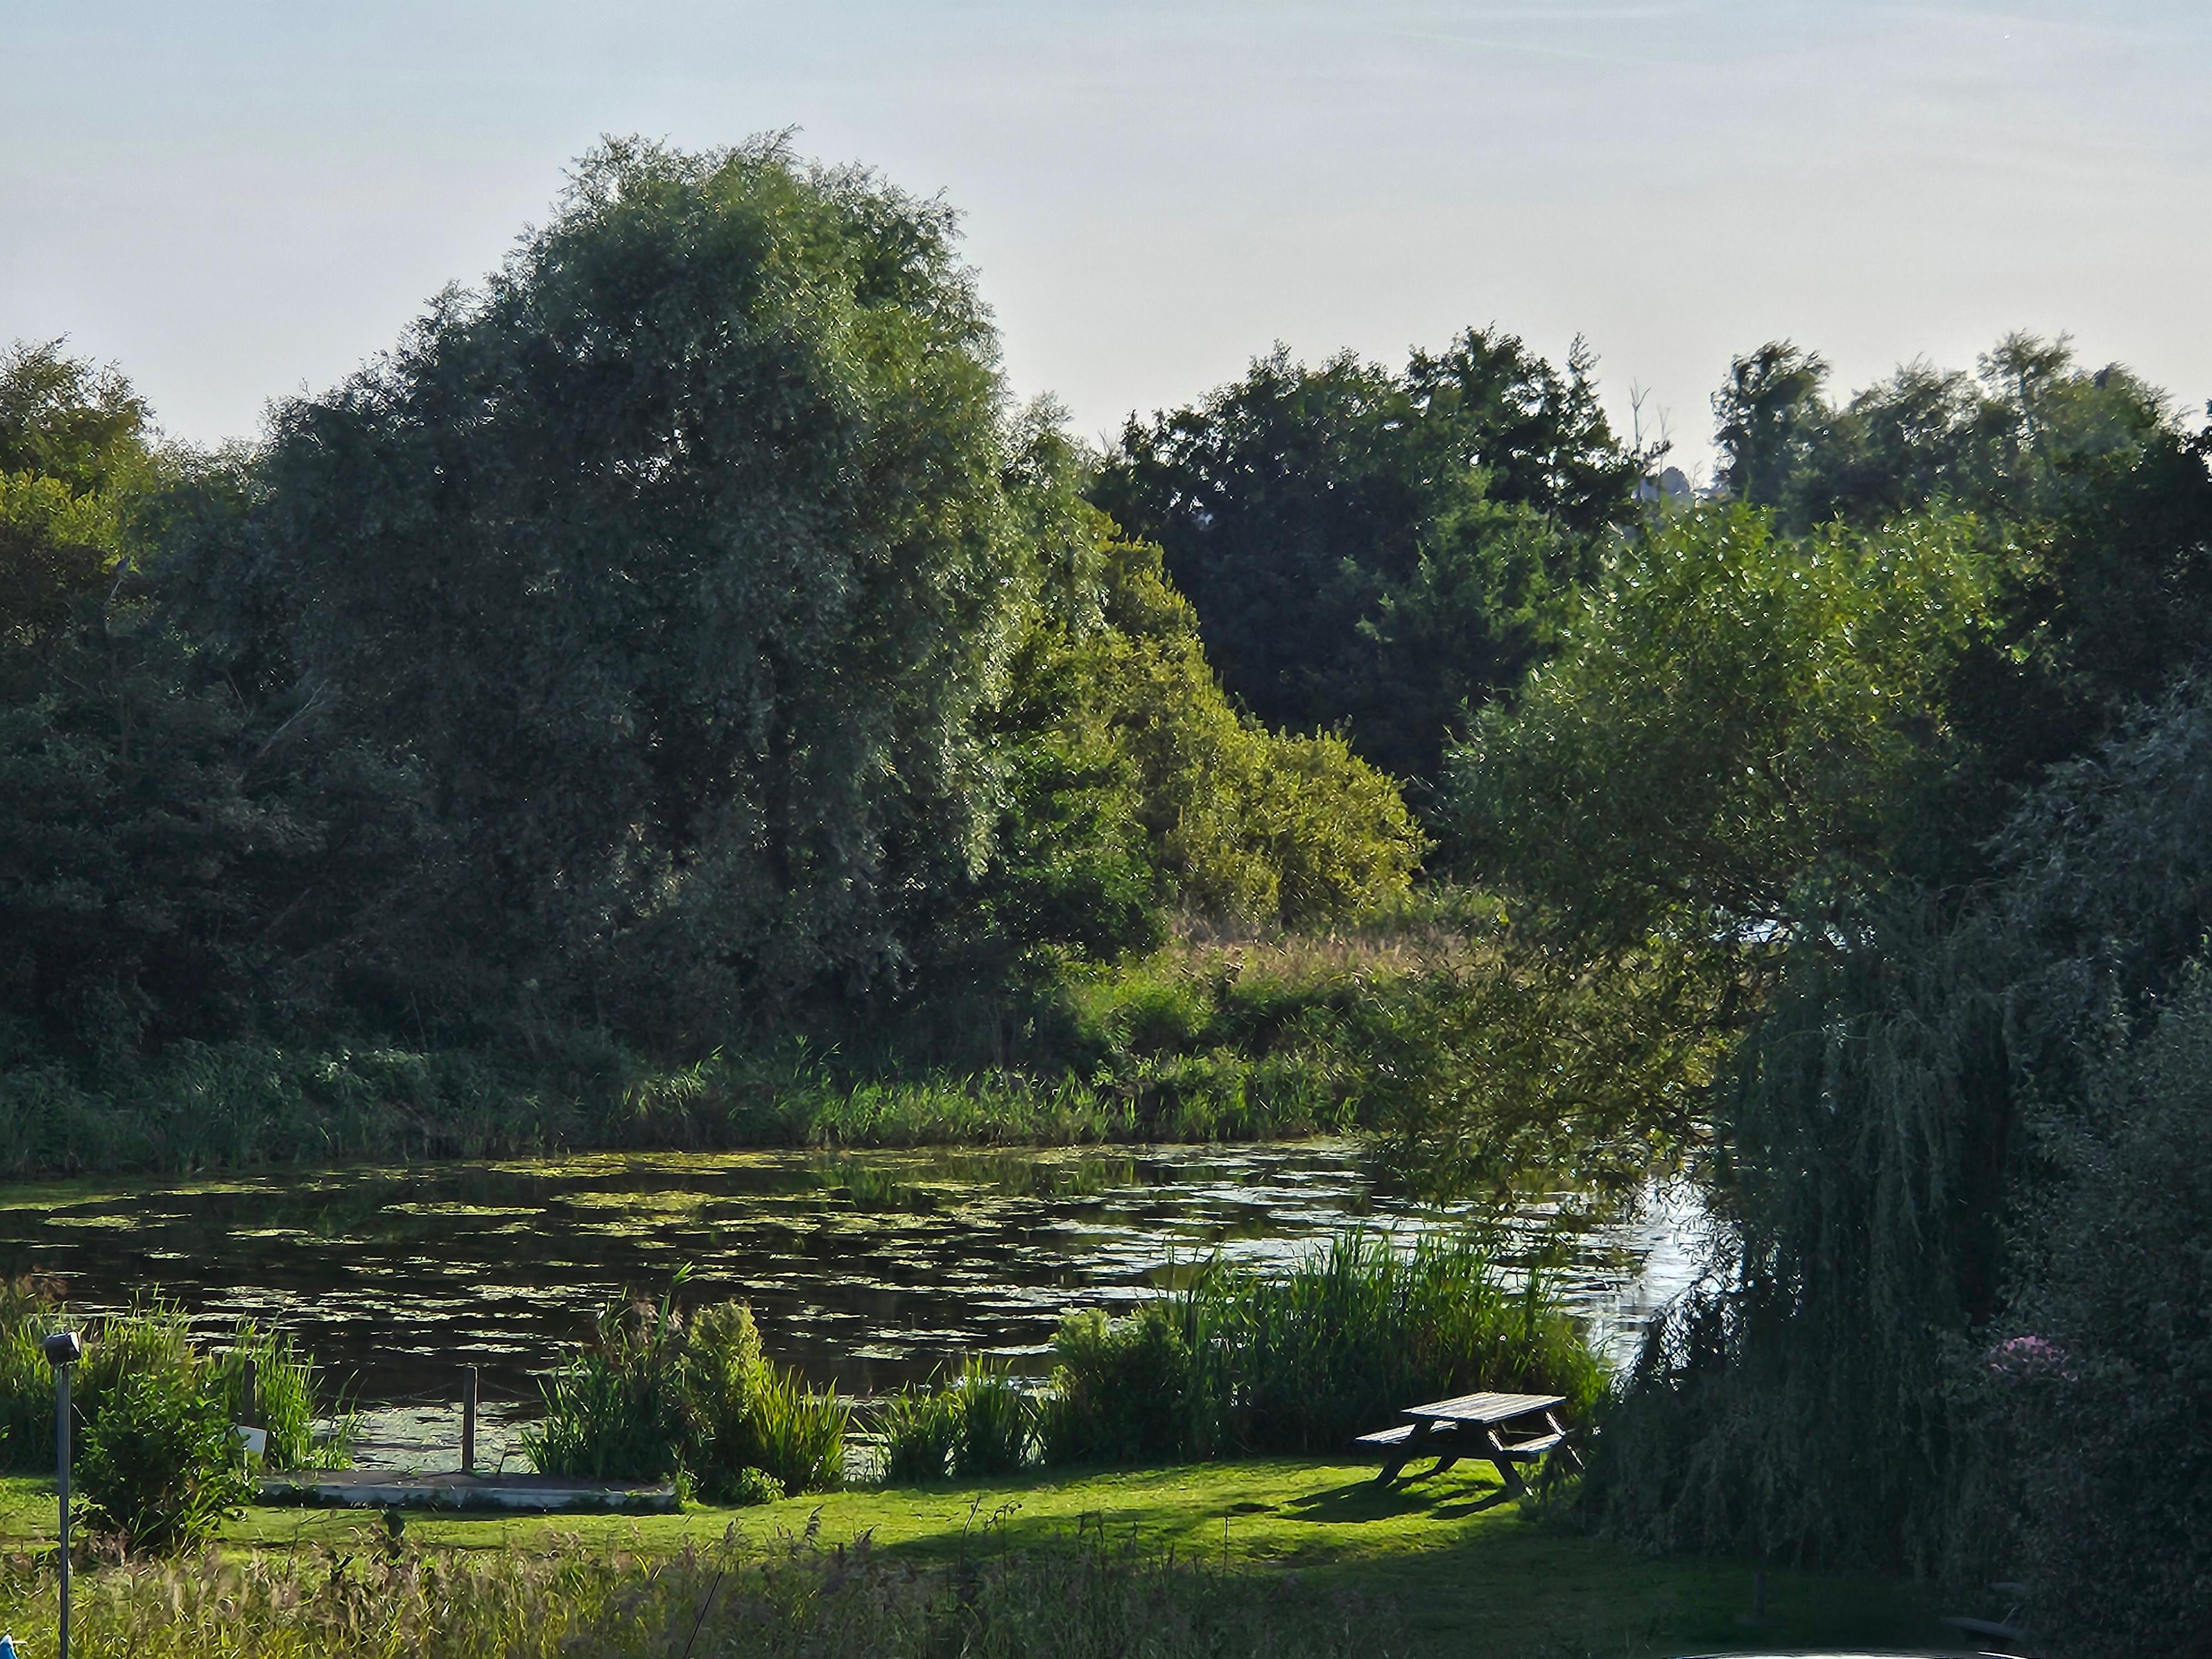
[(65, 1348)]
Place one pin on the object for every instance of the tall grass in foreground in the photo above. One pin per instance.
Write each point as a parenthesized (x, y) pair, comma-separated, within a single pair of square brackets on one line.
[(792, 1600)]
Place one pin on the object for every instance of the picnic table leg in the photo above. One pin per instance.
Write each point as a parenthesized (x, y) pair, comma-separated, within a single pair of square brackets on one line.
[(1574, 1457), (1508, 1476), (1407, 1452)]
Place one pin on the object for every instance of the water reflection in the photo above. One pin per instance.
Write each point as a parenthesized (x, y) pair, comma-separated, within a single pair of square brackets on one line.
[(865, 1270)]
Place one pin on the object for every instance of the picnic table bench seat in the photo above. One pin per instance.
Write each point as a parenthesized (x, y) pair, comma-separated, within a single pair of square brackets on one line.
[(1521, 1451)]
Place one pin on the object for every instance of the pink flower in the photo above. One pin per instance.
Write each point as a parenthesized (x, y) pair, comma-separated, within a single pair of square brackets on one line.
[(2024, 1356)]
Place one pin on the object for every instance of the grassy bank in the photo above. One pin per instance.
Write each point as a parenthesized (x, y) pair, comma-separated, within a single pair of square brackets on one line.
[(1208, 1040), (1283, 1555)]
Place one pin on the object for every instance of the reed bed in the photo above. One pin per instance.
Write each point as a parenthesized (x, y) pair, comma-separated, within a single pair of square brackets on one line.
[(1208, 1039), (155, 1336), (1240, 1363), (660, 1391)]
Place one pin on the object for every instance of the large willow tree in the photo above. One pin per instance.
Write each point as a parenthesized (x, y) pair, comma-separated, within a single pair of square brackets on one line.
[(678, 557)]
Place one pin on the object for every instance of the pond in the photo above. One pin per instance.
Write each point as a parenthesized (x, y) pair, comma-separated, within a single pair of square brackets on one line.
[(865, 1270)]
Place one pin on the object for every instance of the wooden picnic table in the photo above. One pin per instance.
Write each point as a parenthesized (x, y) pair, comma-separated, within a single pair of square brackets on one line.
[(1503, 1430)]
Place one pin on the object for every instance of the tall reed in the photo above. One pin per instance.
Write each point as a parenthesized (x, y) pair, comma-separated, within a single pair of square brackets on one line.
[(979, 1422), (1241, 1361), (155, 1335), (781, 1602), (657, 1391)]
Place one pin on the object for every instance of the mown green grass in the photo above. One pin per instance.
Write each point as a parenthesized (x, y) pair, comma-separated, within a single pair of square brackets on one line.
[(1468, 1571)]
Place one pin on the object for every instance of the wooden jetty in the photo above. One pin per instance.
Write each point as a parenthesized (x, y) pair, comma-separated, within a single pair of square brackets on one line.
[(386, 1489)]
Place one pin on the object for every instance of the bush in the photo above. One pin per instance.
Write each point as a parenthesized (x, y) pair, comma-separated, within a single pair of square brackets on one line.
[(654, 1394), (160, 1465), (1126, 1391)]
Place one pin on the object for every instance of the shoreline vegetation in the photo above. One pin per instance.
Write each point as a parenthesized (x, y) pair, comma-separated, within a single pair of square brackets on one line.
[(1209, 1039)]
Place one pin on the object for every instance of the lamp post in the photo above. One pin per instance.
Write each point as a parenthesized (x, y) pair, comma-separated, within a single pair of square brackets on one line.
[(64, 1350)]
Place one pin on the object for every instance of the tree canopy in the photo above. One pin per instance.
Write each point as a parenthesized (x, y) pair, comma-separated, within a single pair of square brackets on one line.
[(1370, 550)]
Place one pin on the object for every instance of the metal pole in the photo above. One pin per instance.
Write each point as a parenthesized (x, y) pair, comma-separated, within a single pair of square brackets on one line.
[(62, 1481), (469, 1420)]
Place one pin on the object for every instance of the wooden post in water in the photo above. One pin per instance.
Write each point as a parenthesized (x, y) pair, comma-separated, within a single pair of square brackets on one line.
[(468, 1420)]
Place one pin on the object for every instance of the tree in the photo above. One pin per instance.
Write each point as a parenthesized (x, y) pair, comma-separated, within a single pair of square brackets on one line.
[(2102, 496), (680, 558), (1732, 715), (67, 419), (1371, 551), (1142, 791)]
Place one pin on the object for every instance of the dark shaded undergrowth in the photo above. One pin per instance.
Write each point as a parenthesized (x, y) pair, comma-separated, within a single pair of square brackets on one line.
[(1202, 1042)]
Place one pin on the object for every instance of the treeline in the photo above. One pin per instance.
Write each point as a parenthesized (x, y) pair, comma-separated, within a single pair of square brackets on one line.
[(681, 639)]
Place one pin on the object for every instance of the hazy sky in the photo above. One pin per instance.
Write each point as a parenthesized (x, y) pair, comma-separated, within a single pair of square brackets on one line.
[(237, 201)]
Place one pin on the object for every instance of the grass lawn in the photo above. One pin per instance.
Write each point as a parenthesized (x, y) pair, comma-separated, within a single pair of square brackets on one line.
[(1468, 1572)]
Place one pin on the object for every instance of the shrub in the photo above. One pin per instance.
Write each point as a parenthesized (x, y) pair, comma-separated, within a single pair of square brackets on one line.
[(655, 1394), (160, 1465), (155, 1337), (1128, 1390)]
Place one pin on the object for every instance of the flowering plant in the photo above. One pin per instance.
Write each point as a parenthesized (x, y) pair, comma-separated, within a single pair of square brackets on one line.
[(2024, 1357)]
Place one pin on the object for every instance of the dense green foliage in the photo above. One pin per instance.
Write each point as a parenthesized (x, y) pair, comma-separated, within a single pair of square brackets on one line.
[(2102, 492), (674, 698), (288, 1403), (1917, 1154), (2113, 1355), (657, 1392), (1139, 782), (1370, 551), (160, 1466), (679, 639), (1755, 712)]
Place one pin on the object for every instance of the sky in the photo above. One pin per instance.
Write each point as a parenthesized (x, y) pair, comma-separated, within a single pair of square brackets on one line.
[(238, 202)]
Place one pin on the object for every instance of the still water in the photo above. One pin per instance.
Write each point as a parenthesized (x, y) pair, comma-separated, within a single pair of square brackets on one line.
[(865, 1270)]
